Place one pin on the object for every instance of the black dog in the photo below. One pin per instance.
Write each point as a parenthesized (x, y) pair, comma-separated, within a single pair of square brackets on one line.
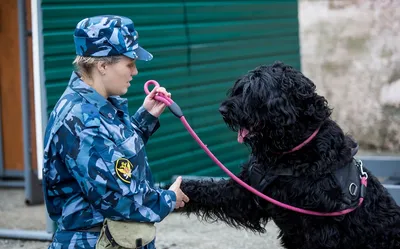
[(275, 109)]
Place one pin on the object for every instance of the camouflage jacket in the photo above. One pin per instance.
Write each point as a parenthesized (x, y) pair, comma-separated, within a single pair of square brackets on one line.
[(95, 166)]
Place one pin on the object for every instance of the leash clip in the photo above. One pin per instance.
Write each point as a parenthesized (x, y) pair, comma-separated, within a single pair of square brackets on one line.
[(360, 165)]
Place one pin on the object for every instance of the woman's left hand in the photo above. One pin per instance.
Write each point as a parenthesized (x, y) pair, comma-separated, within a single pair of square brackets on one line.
[(153, 106)]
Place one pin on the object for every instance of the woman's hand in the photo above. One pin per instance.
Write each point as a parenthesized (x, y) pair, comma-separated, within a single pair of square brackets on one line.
[(153, 106), (181, 198)]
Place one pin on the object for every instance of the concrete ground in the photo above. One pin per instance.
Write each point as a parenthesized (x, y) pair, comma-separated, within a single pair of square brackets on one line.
[(176, 231)]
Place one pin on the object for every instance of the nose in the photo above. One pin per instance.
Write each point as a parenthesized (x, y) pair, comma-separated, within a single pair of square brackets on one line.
[(223, 109), (134, 72)]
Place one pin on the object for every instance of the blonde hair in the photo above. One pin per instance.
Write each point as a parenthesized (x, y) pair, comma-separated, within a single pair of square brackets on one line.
[(84, 65)]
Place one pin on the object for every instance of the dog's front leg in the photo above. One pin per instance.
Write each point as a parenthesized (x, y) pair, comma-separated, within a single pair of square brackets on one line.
[(224, 200)]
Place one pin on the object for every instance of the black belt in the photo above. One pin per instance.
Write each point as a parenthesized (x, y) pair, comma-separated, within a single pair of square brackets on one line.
[(95, 229)]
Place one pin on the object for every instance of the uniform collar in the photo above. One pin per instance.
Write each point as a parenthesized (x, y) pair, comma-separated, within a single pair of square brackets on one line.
[(106, 107)]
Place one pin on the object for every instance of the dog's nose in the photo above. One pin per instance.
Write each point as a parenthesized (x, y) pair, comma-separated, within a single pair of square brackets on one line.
[(223, 110)]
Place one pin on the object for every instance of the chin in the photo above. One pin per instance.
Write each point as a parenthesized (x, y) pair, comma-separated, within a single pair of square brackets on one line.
[(123, 92)]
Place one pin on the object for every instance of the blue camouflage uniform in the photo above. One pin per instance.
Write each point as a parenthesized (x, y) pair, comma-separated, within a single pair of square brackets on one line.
[(95, 166)]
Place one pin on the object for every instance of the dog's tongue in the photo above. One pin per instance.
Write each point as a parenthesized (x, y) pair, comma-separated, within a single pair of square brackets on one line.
[(242, 133)]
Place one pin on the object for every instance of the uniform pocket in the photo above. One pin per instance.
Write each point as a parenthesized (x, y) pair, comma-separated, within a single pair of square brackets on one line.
[(131, 146)]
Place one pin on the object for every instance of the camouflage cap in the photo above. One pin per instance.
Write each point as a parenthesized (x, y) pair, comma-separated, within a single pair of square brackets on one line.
[(107, 36)]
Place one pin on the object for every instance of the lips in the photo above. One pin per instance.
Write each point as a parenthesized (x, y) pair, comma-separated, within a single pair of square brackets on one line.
[(242, 133)]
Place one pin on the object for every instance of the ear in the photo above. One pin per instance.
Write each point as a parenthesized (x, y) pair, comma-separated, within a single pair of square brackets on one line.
[(101, 67)]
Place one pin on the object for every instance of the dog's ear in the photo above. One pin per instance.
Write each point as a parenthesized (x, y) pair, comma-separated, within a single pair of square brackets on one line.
[(301, 94), (312, 106)]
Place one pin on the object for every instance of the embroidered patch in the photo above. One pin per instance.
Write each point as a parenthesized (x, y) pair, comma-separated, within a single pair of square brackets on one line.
[(123, 169)]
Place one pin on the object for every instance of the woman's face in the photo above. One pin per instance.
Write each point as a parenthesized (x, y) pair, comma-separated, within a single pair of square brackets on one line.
[(117, 76)]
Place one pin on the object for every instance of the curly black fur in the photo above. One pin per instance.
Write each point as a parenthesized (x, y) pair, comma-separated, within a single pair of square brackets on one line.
[(280, 108)]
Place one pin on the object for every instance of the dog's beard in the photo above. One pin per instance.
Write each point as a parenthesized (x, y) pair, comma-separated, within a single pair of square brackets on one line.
[(242, 133)]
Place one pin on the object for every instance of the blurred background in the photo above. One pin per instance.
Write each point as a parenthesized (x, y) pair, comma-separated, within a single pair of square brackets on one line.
[(349, 48)]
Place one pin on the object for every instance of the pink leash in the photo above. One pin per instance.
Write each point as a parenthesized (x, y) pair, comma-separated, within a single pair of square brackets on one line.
[(175, 109)]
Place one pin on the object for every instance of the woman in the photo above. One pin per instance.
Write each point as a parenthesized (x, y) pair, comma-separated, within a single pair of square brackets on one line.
[(95, 163)]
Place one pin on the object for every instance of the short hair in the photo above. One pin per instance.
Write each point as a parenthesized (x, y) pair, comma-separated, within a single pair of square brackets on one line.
[(84, 65)]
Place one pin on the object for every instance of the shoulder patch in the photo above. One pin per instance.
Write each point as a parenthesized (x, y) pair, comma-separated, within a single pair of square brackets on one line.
[(123, 169)]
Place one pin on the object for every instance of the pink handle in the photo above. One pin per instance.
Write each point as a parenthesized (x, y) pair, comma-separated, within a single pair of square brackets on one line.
[(159, 97)]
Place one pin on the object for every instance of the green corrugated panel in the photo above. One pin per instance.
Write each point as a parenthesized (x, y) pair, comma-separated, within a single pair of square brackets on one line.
[(228, 38), (199, 51)]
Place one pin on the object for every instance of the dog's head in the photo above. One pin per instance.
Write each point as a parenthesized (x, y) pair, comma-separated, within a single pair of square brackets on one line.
[(274, 108)]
